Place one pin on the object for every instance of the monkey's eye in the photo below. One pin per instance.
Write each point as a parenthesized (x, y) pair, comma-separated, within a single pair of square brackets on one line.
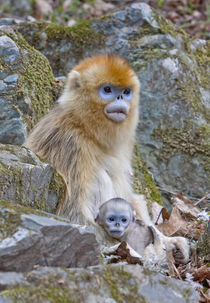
[(107, 89), (107, 92), (127, 91), (124, 220), (111, 219)]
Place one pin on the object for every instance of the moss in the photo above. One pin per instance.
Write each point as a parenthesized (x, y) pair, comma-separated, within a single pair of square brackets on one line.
[(114, 282), (35, 82), (191, 140), (204, 246), (48, 290), (17, 174), (58, 186), (143, 182), (14, 211), (9, 222), (81, 37), (118, 280)]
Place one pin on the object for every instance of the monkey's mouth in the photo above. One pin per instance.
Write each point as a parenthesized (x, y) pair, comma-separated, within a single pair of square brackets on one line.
[(116, 233), (116, 114)]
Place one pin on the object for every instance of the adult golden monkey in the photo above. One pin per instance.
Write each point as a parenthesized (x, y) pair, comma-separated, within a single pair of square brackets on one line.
[(89, 137)]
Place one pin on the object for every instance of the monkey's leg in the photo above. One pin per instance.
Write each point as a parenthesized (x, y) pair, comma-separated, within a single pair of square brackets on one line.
[(179, 245), (140, 206)]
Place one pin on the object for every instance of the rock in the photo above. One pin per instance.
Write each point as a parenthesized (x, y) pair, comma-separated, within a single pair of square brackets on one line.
[(26, 180), (29, 238), (18, 8), (27, 86), (104, 284)]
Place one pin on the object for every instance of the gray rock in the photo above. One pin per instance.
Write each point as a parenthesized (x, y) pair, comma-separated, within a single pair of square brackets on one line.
[(18, 8), (104, 284), (30, 239), (19, 65), (26, 180)]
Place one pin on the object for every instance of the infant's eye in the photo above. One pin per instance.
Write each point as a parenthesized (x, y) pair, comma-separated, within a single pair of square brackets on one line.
[(107, 89), (124, 220), (127, 91), (111, 219)]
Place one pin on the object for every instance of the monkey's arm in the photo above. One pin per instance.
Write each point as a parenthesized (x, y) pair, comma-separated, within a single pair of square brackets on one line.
[(171, 243)]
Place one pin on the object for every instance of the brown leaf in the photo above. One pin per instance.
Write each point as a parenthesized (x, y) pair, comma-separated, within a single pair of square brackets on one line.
[(124, 251), (165, 214), (202, 273), (188, 209), (174, 224)]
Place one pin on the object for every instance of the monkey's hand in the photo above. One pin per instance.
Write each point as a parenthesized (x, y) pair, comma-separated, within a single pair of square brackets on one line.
[(180, 248)]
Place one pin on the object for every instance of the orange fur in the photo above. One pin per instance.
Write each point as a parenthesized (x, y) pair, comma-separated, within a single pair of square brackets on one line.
[(91, 152)]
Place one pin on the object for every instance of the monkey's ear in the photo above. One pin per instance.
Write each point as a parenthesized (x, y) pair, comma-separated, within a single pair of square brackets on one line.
[(74, 79), (134, 216)]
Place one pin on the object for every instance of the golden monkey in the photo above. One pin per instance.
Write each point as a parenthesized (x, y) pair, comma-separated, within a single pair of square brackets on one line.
[(89, 136)]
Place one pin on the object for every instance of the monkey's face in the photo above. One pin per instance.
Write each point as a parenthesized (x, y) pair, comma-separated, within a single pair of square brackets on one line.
[(107, 87), (115, 215), (118, 107), (116, 224)]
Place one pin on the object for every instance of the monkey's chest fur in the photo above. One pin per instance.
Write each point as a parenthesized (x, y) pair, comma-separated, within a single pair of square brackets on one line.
[(109, 183)]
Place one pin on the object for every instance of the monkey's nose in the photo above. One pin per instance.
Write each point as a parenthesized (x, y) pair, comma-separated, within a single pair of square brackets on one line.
[(119, 97)]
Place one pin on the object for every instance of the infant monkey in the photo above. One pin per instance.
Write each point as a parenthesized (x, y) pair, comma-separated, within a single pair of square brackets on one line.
[(117, 217)]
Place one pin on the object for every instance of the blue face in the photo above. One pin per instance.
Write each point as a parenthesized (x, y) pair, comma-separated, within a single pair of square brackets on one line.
[(118, 97), (110, 92), (117, 224)]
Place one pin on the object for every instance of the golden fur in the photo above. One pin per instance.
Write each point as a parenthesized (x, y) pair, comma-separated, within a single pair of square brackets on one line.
[(91, 152)]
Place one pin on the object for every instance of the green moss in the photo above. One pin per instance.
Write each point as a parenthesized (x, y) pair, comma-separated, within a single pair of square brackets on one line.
[(49, 290), (35, 83), (17, 174), (9, 222), (143, 182), (109, 281), (191, 140), (204, 246), (57, 186), (118, 280), (81, 36), (10, 217)]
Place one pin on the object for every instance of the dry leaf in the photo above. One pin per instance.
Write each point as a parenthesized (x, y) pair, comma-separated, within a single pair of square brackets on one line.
[(124, 253), (185, 206), (202, 273), (174, 224)]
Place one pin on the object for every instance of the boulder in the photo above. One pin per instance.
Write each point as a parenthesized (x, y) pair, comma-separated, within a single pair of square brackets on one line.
[(26, 180), (30, 238), (27, 86), (104, 284)]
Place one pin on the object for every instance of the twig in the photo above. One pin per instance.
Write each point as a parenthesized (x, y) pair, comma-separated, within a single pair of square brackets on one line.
[(176, 271), (156, 222), (206, 197)]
